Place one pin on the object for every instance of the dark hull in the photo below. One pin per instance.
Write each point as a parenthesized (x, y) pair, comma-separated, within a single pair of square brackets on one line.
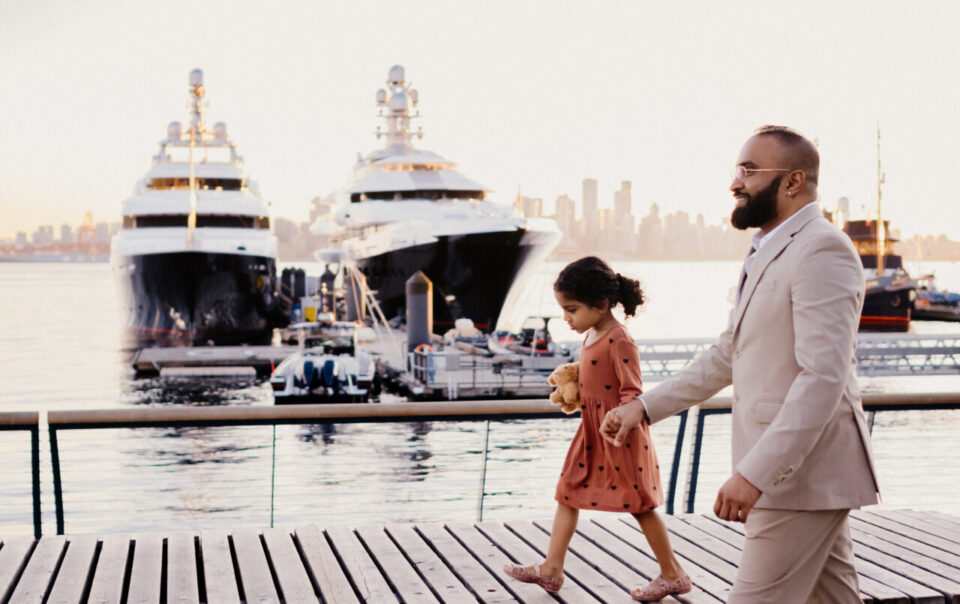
[(471, 274), (198, 298), (936, 312), (886, 310)]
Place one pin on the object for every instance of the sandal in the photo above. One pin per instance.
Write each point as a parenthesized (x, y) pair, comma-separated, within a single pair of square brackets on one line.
[(531, 574), (660, 588)]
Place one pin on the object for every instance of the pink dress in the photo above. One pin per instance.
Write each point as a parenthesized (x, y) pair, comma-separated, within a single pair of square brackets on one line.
[(596, 475)]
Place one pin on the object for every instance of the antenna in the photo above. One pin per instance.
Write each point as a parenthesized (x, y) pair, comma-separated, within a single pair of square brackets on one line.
[(881, 229)]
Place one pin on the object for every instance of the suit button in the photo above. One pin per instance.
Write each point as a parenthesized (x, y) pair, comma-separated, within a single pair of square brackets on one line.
[(736, 353)]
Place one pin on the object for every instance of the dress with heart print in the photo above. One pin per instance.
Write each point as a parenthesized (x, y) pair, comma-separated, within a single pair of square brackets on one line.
[(597, 475)]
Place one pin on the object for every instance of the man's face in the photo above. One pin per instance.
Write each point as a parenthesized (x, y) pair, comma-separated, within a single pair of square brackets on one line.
[(757, 193)]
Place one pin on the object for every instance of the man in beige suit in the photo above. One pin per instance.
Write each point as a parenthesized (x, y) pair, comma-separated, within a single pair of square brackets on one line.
[(800, 444)]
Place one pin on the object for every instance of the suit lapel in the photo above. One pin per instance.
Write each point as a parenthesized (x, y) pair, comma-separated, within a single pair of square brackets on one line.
[(769, 252)]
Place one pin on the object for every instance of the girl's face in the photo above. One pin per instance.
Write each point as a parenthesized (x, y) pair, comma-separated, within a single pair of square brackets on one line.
[(578, 315)]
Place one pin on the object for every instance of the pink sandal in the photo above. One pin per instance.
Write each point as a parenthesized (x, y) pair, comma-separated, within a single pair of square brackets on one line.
[(531, 574), (660, 588)]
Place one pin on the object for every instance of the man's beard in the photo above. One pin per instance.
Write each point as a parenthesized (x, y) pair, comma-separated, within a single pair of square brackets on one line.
[(759, 209)]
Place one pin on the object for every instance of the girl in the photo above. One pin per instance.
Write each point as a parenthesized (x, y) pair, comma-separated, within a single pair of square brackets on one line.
[(597, 475)]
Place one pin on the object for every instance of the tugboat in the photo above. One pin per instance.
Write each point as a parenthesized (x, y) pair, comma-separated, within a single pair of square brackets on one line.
[(406, 210), (890, 291), (196, 259)]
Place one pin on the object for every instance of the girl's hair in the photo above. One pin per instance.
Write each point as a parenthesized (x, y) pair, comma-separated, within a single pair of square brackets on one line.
[(591, 281)]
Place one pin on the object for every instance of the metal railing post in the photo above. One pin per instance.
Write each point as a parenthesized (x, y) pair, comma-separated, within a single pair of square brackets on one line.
[(483, 469), (695, 462), (273, 473), (57, 485), (35, 462), (675, 466)]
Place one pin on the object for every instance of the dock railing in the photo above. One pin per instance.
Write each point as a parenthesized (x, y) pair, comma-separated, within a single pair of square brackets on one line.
[(28, 421), (459, 411)]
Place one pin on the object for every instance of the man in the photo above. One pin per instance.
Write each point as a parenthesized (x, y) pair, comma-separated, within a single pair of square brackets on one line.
[(800, 444)]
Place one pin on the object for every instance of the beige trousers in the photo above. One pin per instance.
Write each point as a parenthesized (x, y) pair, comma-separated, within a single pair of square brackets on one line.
[(796, 557)]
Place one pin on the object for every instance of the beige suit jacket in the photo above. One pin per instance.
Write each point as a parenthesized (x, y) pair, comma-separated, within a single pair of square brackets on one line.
[(799, 433)]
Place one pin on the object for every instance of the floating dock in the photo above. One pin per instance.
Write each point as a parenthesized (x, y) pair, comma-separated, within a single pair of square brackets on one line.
[(149, 362), (902, 557)]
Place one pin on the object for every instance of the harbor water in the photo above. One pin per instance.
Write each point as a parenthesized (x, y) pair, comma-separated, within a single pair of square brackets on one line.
[(60, 349)]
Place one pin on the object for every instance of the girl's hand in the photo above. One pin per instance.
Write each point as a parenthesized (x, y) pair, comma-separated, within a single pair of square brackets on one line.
[(618, 422)]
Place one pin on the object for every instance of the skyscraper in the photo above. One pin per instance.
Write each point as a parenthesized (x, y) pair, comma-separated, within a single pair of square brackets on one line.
[(591, 218)]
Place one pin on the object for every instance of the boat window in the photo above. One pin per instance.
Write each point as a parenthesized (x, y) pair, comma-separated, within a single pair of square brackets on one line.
[(430, 194), (203, 184), (203, 220), (162, 220)]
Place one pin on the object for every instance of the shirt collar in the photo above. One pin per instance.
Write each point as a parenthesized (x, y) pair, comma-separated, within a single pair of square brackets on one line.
[(759, 239)]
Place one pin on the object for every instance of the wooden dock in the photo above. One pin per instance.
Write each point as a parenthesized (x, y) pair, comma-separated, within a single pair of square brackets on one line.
[(902, 557)]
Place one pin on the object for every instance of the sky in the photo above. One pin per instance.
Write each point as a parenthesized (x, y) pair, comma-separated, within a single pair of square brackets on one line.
[(524, 95)]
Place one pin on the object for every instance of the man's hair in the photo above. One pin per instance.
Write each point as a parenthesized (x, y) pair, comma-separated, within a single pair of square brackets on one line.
[(797, 148)]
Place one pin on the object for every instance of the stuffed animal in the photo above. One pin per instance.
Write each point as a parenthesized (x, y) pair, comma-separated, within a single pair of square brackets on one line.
[(567, 393)]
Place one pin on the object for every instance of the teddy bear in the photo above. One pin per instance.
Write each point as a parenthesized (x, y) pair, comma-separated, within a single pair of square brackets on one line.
[(566, 394)]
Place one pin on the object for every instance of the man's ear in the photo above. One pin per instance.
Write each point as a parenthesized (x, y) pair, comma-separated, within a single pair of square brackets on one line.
[(796, 182)]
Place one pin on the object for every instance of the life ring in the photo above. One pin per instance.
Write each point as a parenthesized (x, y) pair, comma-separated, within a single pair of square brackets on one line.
[(423, 348)]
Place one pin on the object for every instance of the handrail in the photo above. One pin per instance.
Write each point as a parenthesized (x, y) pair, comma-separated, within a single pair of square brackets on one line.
[(332, 413), (872, 402), (386, 412), (29, 421)]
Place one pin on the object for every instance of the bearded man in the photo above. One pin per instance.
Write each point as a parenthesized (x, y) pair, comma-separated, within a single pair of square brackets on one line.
[(800, 444)]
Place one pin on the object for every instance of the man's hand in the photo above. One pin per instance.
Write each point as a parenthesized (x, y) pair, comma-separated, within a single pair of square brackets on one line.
[(619, 421), (735, 499)]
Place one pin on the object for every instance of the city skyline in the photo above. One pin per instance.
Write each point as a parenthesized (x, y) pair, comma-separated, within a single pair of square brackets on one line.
[(587, 227), (527, 94)]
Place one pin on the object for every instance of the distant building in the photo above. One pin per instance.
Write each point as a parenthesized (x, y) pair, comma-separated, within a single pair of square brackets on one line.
[(66, 234), (623, 200), (531, 207), (591, 216), (566, 216)]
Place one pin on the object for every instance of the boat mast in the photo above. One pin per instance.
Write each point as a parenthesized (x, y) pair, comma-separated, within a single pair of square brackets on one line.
[(196, 134), (881, 230)]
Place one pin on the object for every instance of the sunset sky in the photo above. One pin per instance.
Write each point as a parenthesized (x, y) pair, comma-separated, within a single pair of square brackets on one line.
[(535, 95)]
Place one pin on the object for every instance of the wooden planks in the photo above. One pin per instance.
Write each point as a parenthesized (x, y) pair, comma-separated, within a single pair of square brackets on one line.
[(901, 557)]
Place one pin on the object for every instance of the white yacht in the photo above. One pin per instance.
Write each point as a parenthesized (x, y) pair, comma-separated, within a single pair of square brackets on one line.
[(196, 258), (406, 210)]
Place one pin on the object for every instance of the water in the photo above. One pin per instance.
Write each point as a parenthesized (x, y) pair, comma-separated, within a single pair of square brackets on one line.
[(59, 349)]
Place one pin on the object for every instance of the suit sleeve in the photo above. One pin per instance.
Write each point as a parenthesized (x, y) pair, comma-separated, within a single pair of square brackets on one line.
[(707, 375), (626, 364), (826, 295)]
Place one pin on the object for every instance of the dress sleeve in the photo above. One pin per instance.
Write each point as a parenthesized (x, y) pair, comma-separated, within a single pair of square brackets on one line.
[(626, 364)]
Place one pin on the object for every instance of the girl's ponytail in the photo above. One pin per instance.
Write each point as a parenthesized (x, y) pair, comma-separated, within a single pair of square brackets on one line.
[(630, 294)]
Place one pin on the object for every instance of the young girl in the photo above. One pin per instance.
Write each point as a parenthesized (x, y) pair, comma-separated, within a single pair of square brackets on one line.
[(597, 475)]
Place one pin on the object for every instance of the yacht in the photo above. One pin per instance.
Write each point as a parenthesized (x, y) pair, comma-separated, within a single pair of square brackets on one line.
[(406, 210), (195, 258)]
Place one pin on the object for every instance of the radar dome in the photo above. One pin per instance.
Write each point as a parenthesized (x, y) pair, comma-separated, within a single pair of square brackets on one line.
[(414, 96), (381, 96), (397, 75), (843, 204), (173, 131), (220, 131), (398, 102), (196, 77)]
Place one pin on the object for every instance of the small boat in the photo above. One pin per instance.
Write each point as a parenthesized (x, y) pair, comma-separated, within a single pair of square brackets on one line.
[(934, 304), (328, 368)]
